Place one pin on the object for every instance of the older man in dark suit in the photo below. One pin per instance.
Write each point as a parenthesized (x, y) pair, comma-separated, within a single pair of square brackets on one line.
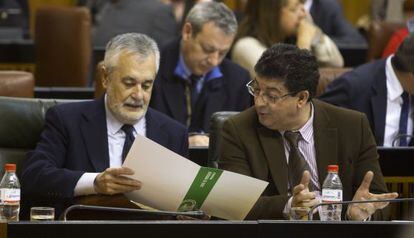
[(195, 79), (288, 139), (83, 145)]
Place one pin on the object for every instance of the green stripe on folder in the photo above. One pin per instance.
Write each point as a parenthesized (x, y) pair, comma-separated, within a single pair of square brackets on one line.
[(200, 188)]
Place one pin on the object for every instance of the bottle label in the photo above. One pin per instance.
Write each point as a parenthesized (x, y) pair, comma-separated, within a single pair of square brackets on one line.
[(10, 195), (331, 195)]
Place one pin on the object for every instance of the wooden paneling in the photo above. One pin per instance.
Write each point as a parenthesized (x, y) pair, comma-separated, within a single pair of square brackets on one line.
[(34, 4)]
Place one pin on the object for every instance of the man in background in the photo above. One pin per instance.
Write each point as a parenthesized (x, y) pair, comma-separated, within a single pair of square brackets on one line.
[(195, 80)]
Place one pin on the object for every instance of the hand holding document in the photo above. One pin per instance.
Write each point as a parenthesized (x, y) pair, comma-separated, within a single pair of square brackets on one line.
[(171, 182)]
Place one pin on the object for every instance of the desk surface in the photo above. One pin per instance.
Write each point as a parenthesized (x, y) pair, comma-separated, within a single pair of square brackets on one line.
[(200, 229)]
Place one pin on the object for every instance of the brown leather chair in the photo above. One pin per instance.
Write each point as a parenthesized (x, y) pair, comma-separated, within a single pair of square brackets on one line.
[(63, 46), (16, 84), (327, 75), (379, 34)]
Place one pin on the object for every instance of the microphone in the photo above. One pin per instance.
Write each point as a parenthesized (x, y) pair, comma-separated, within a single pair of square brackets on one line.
[(160, 214), (310, 213)]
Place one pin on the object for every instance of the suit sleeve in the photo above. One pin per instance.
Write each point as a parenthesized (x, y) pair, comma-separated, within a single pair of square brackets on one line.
[(340, 91), (368, 161), (43, 176), (233, 157), (184, 145)]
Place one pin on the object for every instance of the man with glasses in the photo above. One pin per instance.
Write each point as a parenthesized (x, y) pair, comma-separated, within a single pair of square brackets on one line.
[(195, 80), (288, 139)]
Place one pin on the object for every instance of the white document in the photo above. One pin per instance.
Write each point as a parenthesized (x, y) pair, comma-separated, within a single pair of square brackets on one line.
[(167, 177)]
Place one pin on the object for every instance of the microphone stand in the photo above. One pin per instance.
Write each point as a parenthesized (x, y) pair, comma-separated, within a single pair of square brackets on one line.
[(310, 213)]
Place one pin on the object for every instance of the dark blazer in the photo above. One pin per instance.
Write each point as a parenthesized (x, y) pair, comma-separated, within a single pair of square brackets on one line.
[(149, 17), (341, 137), (75, 141), (227, 93), (364, 89), (328, 15)]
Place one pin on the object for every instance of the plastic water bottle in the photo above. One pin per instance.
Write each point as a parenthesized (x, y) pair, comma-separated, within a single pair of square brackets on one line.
[(9, 194), (331, 192)]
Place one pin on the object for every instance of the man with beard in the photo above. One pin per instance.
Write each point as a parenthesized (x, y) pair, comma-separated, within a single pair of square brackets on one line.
[(83, 144), (289, 138)]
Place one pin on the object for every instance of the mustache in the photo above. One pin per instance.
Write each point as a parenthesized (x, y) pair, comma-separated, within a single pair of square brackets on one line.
[(133, 102)]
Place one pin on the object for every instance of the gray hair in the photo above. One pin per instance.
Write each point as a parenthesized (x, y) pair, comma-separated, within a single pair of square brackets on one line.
[(215, 12), (139, 44)]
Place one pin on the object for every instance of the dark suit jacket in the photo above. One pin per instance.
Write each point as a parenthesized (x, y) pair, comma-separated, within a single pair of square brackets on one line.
[(149, 17), (75, 141), (364, 89), (341, 137), (227, 93), (328, 15)]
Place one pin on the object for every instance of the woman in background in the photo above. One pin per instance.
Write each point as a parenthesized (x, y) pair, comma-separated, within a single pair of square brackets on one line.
[(267, 22)]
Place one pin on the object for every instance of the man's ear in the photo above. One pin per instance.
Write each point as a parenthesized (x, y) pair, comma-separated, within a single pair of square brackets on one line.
[(303, 98), (104, 76), (187, 31)]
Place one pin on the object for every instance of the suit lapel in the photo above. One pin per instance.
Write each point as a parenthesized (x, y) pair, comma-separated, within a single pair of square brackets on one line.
[(154, 129), (94, 132), (325, 137), (274, 150), (379, 105), (172, 87), (211, 99), (173, 91)]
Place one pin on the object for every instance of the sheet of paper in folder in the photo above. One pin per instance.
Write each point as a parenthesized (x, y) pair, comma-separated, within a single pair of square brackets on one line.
[(171, 182)]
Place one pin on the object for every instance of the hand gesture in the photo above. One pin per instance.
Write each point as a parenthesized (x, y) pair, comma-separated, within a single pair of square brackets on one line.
[(364, 210), (302, 197), (113, 181)]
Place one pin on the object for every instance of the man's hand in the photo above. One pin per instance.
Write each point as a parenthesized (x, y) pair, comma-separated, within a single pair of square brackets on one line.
[(198, 140), (364, 210), (112, 181), (301, 195)]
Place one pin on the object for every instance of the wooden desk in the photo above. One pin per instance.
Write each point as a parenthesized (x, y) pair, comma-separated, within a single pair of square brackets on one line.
[(208, 229)]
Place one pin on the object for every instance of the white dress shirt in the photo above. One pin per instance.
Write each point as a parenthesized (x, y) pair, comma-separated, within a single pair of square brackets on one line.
[(116, 139), (394, 104)]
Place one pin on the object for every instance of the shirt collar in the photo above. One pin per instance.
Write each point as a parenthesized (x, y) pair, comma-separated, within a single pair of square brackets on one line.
[(182, 71), (394, 88), (114, 125), (308, 5), (306, 131)]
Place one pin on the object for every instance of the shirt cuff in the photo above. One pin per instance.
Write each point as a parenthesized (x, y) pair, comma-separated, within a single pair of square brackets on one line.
[(288, 206), (85, 184)]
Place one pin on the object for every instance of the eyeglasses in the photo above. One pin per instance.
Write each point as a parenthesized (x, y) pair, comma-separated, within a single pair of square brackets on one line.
[(254, 90)]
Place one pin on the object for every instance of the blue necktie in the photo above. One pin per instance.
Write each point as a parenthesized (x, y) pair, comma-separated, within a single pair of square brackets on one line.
[(129, 139), (404, 119), (194, 93)]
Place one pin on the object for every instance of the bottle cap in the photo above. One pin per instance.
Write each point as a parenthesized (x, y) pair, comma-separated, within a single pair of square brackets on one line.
[(333, 168), (10, 167)]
